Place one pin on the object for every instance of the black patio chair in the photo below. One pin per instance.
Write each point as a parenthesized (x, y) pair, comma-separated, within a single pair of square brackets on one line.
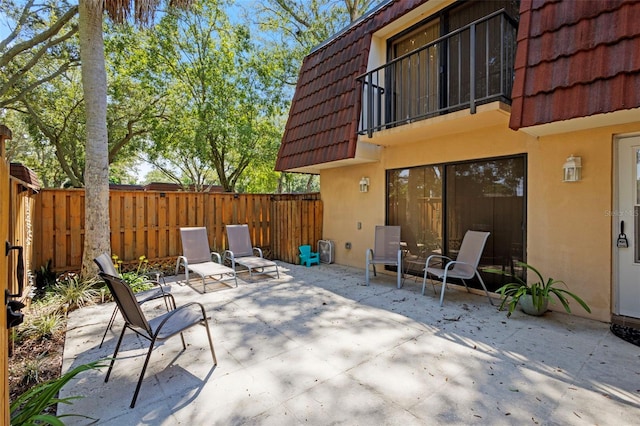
[(158, 291), (161, 327)]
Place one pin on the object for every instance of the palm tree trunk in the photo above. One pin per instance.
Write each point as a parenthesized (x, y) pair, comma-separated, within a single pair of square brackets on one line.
[(96, 173)]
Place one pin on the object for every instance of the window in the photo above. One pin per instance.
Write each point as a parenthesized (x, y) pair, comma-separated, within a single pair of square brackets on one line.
[(436, 204)]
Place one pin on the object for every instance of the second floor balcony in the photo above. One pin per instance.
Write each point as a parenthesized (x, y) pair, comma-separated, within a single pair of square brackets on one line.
[(470, 66)]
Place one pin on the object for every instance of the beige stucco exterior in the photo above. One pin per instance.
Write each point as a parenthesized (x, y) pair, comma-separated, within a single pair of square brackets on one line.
[(569, 225)]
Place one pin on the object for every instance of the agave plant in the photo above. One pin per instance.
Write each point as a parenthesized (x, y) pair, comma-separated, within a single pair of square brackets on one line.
[(540, 291)]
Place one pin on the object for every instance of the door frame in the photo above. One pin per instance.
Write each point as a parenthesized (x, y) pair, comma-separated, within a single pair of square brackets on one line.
[(615, 219)]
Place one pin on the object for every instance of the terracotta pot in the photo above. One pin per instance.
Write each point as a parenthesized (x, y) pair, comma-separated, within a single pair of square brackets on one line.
[(526, 304)]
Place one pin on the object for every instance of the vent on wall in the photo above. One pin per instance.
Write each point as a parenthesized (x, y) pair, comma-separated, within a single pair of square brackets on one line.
[(327, 251)]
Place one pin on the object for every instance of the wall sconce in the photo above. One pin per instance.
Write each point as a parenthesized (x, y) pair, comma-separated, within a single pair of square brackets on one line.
[(572, 169), (364, 184)]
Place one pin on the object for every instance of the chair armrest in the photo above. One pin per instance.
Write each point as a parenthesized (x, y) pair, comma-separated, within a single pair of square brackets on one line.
[(258, 250), (228, 255), (217, 256), (436, 256), (450, 265), (369, 254), (184, 263)]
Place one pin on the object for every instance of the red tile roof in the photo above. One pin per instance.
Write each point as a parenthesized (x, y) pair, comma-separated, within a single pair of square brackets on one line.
[(324, 114), (27, 176), (575, 59)]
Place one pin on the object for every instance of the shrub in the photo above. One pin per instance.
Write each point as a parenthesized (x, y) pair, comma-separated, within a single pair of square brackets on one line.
[(137, 279), (72, 293)]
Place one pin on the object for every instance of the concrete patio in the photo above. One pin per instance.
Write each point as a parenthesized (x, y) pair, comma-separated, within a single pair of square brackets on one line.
[(317, 347)]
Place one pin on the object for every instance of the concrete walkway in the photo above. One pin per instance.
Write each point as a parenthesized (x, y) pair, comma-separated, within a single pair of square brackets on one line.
[(317, 347)]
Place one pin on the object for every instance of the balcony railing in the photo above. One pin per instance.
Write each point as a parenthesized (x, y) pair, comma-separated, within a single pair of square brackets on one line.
[(467, 67)]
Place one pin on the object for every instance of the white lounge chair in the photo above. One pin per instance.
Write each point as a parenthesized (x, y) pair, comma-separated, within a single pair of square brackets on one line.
[(242, 252), (199, 259), (464, 267), (386, 251)]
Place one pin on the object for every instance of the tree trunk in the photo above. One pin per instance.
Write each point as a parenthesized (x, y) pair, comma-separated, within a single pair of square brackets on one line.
[(96, 175)]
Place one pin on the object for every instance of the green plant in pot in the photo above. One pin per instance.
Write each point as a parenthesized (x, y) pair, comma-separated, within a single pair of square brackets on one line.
[(534, 298)]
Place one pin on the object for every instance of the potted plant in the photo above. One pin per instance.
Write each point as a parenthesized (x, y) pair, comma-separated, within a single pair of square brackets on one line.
[(534, 298)]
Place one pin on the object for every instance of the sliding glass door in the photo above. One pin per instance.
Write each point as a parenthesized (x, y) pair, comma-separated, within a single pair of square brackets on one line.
[(436, 204)]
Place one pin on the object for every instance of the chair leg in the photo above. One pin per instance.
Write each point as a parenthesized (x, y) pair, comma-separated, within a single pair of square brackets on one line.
[(144, 369), (399, 269), (109, 325), (115, 354), (484, 287), (213, 353), (444, 286), (424, 282), (366, 274)]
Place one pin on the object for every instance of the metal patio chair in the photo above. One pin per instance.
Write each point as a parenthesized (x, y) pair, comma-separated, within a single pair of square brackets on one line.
[(242, 252), (159, 291), (160, 328), (199, 259), (386, 251), (464, 267)]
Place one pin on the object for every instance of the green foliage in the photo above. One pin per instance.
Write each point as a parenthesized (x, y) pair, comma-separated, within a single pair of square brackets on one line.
[(45, 278), (43, 325), (30, 407), (137, 279), (36, 47), (225, 100), (31, 370), (540, 291), (72, 292)]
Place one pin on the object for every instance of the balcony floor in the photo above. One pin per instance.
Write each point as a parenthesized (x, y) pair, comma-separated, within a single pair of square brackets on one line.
[(487, 115)]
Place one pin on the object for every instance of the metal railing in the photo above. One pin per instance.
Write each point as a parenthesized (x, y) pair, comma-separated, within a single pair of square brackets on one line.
[(467, 67)]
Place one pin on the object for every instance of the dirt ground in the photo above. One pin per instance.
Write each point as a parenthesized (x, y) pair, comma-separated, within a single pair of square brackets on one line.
[(34, 361)]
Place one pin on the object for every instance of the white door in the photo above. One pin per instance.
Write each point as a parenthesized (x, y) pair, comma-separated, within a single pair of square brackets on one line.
[(626, 221)]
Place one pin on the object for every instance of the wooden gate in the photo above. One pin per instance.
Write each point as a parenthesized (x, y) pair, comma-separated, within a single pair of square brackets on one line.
[(5, 134)]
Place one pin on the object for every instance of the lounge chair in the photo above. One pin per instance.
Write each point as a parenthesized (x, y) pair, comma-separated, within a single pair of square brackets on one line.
[(159, 328), (198, 258), (159, 291), (464, 267), (307, 257), (386, 251), (241, 251)]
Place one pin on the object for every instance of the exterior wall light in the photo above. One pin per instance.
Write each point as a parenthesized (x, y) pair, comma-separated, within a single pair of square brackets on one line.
[(364, 184), (572, 169)]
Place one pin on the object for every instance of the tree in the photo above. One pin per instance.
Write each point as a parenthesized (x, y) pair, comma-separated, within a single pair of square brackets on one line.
[(38, 48), (94, 83), (229, 116), (291, 29)]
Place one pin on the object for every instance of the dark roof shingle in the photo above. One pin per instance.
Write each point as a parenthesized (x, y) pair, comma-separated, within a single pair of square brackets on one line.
[(575, 59), (324, 114), (26, 175)]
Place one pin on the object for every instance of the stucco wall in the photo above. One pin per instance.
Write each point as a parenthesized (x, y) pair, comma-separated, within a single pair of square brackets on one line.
[(569, 228)]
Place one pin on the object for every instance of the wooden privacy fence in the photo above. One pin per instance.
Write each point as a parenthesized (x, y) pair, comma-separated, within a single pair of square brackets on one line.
[(147, 223)]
